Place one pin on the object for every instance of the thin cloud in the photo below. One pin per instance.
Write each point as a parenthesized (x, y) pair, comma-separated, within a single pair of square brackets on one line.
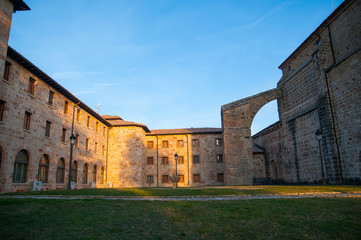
[(267, 15)]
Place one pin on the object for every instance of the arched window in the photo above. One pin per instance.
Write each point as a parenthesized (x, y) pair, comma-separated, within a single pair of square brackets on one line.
[(102, 176), (74, 172), (94, 176), (43, 169), (60, 171), (20, 167), (85, 174)]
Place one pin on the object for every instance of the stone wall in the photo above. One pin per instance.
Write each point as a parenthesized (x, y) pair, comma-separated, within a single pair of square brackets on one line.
[(321, 90), (6, 10), (207, 167), (14, 137), (269, 141), (126, 164)]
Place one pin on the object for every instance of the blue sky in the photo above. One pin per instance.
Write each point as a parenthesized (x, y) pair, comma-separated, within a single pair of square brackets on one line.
[(165, 63)]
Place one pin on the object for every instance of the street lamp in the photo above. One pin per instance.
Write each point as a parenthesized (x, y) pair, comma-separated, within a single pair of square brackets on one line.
[(318, 134), (72, 142)]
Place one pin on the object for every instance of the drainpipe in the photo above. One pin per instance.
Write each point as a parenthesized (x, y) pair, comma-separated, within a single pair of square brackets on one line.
[(157, 160), (331, 106), (188, 157), (106, 161)]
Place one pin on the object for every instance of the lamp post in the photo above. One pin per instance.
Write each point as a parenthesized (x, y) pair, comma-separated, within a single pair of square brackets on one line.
[(318, 134), (72, 142), (176, 165)]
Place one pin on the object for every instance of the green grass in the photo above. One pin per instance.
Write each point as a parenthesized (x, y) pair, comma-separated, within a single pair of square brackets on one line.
[(113, 219), (228, 190)]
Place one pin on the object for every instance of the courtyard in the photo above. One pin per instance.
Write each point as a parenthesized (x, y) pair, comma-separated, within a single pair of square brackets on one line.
[(295, 218)]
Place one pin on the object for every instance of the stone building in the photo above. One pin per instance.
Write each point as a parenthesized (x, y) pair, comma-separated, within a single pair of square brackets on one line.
[(319, 90)]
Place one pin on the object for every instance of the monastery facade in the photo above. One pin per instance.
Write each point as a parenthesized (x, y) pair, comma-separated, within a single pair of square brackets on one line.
[(320, 90)]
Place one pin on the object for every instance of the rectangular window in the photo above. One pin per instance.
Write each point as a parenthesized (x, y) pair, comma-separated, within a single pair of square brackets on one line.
[(103, 150), (96, 147), (181, 178), (196, 178), (219, 142), (87, 144), (150, 179), (51, 97), (47, 129), (103, 131), (219, 158), (66, 107), (165, 179), (165, 160), (96, 126), (27, 120), (7, 71), (220, 177), (77, 140), (195, 159), (195, 143), (150, 144), (63, 135), (180, 143), (2, 109), (180, 160), (78, 115), (88, 121), (31, 87), (150, 161), (165, 144)]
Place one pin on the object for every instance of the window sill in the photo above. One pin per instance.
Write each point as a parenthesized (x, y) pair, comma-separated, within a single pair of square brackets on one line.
[(6, 81), (50, 106), (64, 143), (20, 183), (26, 130), (2, 123), (48, 138), (32, 96), (59, 184)]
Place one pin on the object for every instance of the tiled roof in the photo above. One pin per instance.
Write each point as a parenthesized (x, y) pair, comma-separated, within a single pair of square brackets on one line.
[(185, 131), (117, 121), (112, 117)]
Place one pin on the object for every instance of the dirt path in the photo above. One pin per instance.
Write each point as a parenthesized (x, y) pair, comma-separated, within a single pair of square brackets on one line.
[(188, 198)]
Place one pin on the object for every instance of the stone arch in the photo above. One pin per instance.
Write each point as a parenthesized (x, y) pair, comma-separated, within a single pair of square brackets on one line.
[(237, 119)]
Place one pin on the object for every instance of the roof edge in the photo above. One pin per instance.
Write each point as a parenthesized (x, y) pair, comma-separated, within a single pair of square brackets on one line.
[(19, 5), (131, 124), (324, 24), (13, 54)]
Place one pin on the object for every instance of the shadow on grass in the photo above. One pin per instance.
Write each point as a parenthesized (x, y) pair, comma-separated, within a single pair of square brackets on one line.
[(212, 191)]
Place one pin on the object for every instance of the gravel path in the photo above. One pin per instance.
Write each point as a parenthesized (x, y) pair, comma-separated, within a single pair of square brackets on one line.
[(189, 198)]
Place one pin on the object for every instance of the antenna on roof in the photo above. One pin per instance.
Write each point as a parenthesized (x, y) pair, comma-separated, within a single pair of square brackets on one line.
[(332, 5), (98, 107)]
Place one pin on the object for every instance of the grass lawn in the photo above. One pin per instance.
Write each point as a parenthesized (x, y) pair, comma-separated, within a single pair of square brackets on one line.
[(113, 219), (228, 190)]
